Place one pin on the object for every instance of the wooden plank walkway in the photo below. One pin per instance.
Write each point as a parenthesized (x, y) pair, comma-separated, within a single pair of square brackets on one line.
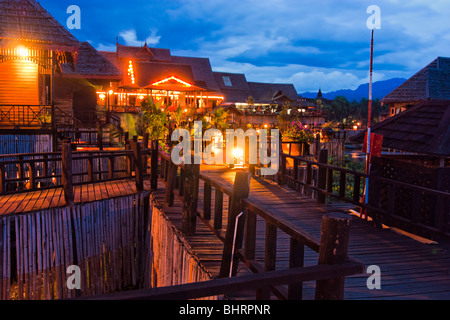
[(53, 198), (409, 269)]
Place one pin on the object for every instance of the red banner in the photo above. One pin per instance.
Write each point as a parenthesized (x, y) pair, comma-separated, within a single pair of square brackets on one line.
[(376, 143)]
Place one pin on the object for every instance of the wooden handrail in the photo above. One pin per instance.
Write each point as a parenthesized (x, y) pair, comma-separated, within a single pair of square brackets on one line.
[(229, 285), (239, 230), (32, 161), (324, 188)]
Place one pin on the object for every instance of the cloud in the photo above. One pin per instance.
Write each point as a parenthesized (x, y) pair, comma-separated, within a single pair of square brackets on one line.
[(106, 47), (131, 39)]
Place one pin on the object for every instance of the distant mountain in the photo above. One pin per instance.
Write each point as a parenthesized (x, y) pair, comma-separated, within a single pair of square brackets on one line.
[(380, 90)]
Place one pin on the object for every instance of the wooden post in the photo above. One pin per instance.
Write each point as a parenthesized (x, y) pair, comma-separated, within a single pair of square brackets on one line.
[(241, 191), (154, 165), (190, 203), (137, 157), (322, 176), (111, 167), (100, 137), (333, 250), (296, 260), (317, 147), (66, 179), (218, 210), (145, 141), (90, 167), (32, 175), (2, 179), (170, 186), (207, 201)]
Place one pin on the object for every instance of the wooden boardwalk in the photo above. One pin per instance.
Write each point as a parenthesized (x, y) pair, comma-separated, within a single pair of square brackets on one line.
[(53, 198), (410, 269)]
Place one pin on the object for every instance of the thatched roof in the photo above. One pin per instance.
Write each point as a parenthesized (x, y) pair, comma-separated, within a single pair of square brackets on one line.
[(91, 65), (424, 129), (432, 82), (26, 21)]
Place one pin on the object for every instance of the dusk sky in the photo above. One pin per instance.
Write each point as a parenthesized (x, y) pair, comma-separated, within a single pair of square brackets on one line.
[(310, 43)]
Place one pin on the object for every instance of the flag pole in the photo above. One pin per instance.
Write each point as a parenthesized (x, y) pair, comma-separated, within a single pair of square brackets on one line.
[(369, 131)]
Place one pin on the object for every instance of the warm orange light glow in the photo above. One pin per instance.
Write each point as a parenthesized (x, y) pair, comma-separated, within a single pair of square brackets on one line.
[(23, 52), (102, 96), (174, 79), (110, 92), (131, 72)]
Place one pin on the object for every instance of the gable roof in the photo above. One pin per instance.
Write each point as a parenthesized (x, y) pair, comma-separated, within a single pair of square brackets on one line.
[(143, 53), (431, 82), (148, 73), (26, 21), (201, 68), (237, 89), (272, 92), (424, 128)]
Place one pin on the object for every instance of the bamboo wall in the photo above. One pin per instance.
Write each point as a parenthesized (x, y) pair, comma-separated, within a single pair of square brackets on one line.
[(106, 239), (174, 261), (25, 143)]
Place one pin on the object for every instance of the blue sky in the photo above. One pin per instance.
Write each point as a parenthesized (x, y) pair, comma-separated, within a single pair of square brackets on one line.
[(310, 43)]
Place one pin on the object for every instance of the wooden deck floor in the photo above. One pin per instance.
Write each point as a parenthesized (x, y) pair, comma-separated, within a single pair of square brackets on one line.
[(52, 198), (409, 269)]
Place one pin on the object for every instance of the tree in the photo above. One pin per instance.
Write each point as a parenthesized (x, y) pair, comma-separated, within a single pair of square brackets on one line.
[(152, 120), (219, 119)]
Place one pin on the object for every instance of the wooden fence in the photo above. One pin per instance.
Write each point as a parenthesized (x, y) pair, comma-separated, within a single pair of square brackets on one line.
[(324, 181), (174, 261), (105, 239)]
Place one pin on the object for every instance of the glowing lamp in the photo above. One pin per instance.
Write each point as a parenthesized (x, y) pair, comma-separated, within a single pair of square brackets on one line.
[(238, 155), (23, 52), (110, 92)]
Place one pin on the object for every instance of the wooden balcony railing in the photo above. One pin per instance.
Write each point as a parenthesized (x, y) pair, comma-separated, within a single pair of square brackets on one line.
[(36, 116)]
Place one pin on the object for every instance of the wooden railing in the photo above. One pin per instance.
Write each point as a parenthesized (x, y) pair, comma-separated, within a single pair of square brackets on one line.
[(31, 172), (322, 180), (36, 116), (183, 181)]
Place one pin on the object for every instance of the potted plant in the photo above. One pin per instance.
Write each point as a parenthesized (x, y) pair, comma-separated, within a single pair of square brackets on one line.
[(298, 138), (328, 129)]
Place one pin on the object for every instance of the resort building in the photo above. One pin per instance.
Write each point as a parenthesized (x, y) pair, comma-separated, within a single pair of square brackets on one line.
[(152, 72), (45, 72), (64, 82)]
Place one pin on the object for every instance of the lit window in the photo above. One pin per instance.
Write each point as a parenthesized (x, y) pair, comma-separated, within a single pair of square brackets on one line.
[(227, 81)]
